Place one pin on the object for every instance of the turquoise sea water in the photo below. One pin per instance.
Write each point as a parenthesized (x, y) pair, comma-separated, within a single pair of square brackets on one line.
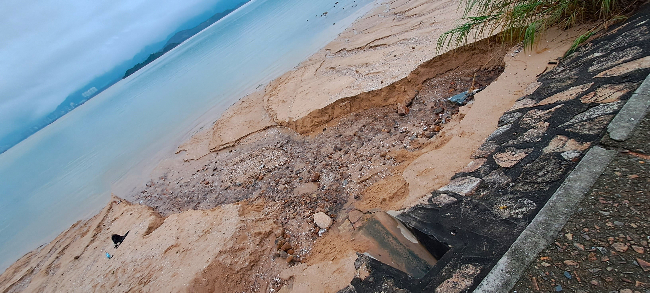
[(66, 171)]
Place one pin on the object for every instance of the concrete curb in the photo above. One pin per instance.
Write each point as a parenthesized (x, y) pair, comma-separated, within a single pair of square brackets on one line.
[(631, 114), (559, 208), (548, 222)]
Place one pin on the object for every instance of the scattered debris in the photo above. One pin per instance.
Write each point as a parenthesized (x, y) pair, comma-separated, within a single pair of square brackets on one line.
[(463, 98)]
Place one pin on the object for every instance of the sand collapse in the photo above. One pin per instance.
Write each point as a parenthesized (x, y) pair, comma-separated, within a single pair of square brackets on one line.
[(384, 61)]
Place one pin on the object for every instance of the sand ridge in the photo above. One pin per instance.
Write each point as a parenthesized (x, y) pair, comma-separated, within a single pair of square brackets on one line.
[(380, 48)]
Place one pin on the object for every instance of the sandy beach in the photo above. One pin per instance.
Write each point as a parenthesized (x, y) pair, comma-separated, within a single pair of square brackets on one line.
[(362, 126)]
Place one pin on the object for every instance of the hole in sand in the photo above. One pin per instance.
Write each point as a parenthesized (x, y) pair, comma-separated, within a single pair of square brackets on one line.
[(392, 243)]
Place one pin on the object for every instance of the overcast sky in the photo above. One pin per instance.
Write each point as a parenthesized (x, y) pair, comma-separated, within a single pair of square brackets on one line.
[(50, 48)]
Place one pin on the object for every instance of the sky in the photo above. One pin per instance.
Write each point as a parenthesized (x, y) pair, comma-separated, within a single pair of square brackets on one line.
[(51, 48)]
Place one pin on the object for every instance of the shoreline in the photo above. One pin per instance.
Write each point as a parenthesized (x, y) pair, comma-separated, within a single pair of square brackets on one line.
[(162, 112), (363, 31), (251, 209), (203, 124)]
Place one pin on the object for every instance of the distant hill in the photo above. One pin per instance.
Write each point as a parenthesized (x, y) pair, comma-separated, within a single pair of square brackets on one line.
[(100, 83), (179, 38)]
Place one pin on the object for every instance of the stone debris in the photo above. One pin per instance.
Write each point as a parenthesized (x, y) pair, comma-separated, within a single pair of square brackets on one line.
[(485, 150), (638, 64), (643, 264), (579, 246), (638, 249), (620, 247), (567, 95), (522, 103), (462, 186), (402, 109), (345, 227), (594, 112), (442, 200), (499, 131), (511, 156), (315, 177), (533, 117), (571, 263), (591, 127), (532, 135), (607, 93), (461, 280), (561, 143), (322, 220), (615, 58), (509, 118)]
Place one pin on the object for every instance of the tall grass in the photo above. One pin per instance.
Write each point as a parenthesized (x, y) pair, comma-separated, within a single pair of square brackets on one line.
[(525, 20)]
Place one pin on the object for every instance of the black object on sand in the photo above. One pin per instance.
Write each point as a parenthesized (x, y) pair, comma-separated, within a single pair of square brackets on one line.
[(117, 239)]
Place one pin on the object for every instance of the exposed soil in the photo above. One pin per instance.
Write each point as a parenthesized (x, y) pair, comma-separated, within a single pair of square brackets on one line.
[(324, 171)]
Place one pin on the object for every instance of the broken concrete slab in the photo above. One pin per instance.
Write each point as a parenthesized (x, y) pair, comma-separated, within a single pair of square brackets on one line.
[(390, 242)]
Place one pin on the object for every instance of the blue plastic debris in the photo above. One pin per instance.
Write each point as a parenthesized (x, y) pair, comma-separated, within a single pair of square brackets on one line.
[(108, 255), (461, 98), (558, 288), (567, 275)]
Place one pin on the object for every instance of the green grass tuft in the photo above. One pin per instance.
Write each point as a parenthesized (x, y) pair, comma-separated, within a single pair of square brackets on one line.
[(526, 20), (460, 33), (581, 39)]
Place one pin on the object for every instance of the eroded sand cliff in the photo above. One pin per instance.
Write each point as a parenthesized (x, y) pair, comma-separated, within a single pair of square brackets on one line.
[(361, 126)]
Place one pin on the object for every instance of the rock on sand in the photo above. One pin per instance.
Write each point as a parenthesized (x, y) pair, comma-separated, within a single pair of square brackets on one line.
[(322, 220)]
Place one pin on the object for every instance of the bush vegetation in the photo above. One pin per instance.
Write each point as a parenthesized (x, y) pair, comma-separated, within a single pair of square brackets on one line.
[(525, 20)]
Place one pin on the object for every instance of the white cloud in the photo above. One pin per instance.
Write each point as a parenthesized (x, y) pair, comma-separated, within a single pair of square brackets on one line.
[(50, 48)]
